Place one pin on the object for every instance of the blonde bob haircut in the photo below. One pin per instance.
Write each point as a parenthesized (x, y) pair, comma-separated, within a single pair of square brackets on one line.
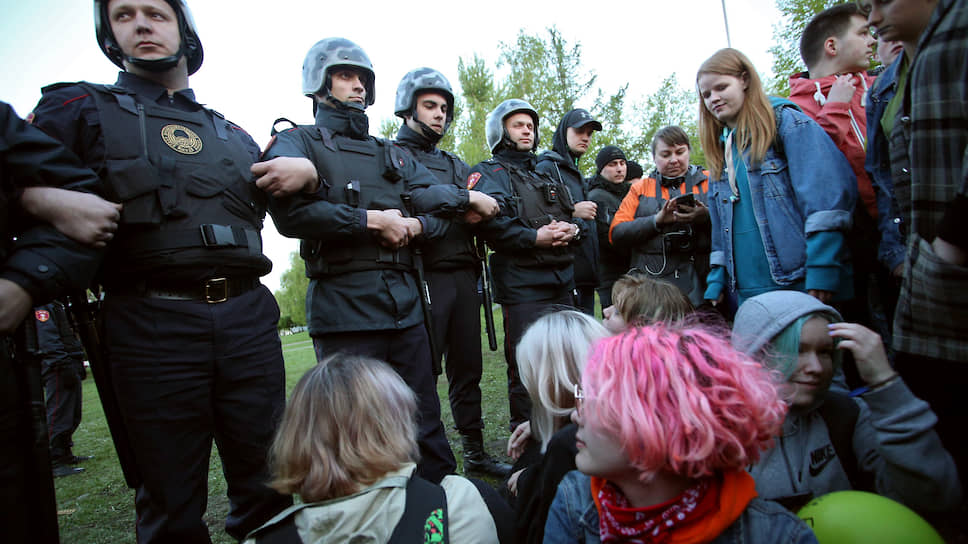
[(350, 420), (643, 300), (755, 124), (551, 356)]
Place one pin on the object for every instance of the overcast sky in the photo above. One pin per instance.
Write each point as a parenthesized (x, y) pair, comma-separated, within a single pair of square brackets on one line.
[(254, 50)]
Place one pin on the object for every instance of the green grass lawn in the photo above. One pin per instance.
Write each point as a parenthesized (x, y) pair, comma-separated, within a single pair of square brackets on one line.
[(97, 507)]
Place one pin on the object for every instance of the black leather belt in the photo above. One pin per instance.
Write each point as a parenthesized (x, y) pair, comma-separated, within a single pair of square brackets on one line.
[(213, 291)]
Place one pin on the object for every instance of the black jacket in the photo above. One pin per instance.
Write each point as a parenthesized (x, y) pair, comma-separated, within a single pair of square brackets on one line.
[(517, 278), (561, 165), (608, 196), (455, 249), (41, 259), (380, 295)]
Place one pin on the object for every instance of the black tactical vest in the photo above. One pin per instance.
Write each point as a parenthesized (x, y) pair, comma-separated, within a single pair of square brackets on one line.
[(539, 200), (456, 248), (364, 174), (183, 178)]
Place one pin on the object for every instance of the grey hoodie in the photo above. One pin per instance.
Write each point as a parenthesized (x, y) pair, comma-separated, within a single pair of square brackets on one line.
[(894, 438)]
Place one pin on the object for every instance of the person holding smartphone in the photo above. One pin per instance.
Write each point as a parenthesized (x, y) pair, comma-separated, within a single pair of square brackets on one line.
[(663, 219)]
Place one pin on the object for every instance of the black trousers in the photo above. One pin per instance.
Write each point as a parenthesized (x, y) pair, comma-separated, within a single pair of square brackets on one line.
[(586, 299), (457, 330), (63, 394), (28, 510), (185, 373), (517, 319), (408, 352)]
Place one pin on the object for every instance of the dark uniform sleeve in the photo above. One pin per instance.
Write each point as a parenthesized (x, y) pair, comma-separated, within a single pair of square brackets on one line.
[(506, 231), (309, 216), (69, 115), (428, 195), (42, 260)]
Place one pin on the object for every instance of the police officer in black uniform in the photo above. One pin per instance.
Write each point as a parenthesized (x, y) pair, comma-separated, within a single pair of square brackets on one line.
[(357, 231), (62, 370), (189, 331), (570, 142), (37, 262), (425, 101), (532, 263)]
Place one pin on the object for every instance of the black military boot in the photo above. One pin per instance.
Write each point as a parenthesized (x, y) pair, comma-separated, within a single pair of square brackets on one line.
[(477, 461)]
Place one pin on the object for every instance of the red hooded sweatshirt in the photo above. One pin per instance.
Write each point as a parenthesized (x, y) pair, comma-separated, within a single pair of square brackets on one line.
[(845, 123)]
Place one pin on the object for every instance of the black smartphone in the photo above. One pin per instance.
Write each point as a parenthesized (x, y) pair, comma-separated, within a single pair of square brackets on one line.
[(687, 200)]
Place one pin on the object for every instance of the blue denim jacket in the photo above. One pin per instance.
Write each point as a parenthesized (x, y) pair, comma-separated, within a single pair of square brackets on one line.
[(891, 250), (808, 188), (574, 518)]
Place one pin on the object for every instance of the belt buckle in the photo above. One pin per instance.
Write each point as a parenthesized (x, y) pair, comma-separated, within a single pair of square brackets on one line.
[(216, 290)]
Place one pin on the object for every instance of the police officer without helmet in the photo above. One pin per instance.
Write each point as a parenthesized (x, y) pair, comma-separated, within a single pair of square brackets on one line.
[(608, 188), (669, 239), (569, 144), (190, 332), (358, 232), (425, 102), (532, 261)]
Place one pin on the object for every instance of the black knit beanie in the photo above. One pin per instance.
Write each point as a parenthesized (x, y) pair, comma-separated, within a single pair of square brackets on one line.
[(608, 154)]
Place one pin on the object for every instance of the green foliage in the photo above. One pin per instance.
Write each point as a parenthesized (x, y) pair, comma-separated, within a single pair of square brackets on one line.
[(548, 74), (671, 104), (786, 36), (477, 84), (291, 296), (389, 127)]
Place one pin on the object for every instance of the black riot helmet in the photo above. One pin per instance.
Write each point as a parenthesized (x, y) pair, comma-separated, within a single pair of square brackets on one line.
[(494, 131), (190, 46), (331, 53), (423, 80)]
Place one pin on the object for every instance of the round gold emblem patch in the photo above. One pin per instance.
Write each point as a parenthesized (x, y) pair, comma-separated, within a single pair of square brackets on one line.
[(181, 139)]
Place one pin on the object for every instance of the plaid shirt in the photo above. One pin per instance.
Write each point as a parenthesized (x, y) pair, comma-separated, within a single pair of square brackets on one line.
[(929, 167)]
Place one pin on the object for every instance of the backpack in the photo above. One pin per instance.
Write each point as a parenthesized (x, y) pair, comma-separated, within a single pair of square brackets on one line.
[(414, 526)]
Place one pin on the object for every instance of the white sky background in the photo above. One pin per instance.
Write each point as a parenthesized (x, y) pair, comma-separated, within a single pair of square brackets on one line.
[(254, 50)]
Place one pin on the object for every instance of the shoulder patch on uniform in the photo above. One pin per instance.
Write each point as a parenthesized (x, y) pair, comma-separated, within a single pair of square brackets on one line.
[(472, 180), (30, 118), (42, 315)]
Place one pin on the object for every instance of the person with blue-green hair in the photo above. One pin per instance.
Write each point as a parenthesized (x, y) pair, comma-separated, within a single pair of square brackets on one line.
[(878, 438)]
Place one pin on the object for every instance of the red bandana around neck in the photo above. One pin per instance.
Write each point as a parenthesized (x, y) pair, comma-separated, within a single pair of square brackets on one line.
[(699, 514)]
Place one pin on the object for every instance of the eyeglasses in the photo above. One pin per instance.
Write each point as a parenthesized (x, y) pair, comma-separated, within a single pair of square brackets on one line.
[(579, 398)]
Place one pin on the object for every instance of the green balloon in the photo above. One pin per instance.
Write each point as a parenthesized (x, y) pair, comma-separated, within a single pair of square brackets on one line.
[(859, 517)]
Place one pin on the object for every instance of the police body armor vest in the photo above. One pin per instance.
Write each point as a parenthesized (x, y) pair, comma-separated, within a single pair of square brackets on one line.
[(539, 200), (456, 248), (184, 180), (363, 174)]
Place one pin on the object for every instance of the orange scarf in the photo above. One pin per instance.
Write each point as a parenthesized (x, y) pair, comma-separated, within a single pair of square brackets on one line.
[(735, 490)]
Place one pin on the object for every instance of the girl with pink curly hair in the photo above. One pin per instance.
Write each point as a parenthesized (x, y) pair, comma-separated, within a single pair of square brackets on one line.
[(668, 419)]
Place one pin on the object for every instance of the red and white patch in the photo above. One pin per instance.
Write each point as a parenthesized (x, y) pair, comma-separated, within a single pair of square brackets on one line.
[(42, 315), (472, 180)]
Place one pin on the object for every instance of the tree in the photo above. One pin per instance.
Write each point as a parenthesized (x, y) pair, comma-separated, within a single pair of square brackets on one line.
[(786, 36), (477, 84), (671, 104), (546, 73), (291, 296)]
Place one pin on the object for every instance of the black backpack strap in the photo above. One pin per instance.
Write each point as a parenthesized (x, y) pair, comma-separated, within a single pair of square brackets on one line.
[(424, 516), (282, 532), (840, 413)]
